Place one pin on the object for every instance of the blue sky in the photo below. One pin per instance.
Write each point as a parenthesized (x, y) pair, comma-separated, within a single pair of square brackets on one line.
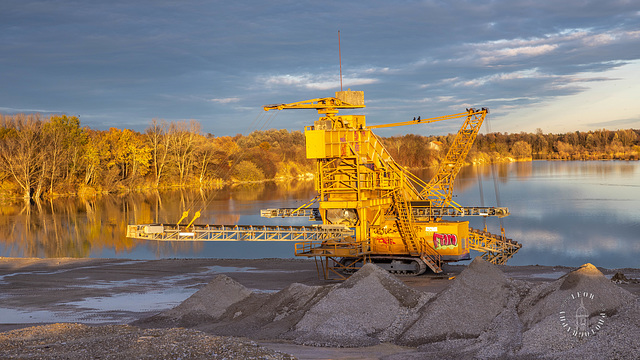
[(556, 65)]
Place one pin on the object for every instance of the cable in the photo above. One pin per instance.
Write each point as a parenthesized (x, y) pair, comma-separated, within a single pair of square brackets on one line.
[(484, 218), (495, 180), (258, 124)]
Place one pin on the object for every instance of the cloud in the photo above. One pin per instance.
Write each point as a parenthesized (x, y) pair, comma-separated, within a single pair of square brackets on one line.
[(617, 124), (313, 81), (507, 100), (496, 52), (11, 110), (508, 53), (499, 77), (174, 61), (225, 100)]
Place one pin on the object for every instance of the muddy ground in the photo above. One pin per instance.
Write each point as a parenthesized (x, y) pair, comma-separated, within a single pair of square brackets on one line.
[(116, 292)]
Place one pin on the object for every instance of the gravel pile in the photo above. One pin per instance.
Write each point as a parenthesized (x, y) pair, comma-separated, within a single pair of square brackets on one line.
[(482, 314), (464, 309), (79, 342), (540, 310), (213, 299), (268, 316), (620, 278), (618, 338), (529, 325), (372, 306), (205, 306)]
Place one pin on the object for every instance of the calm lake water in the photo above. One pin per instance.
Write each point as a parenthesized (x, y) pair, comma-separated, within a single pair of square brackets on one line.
[(563, 213)]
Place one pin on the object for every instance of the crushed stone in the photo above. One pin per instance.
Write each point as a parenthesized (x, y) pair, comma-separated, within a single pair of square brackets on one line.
[(618, 338), (80, 342), (481, 315), (548, 298), (540, 310), (371, 307), (206, 305), (271, 316), (620, 278), (213, 299), (464, 309)]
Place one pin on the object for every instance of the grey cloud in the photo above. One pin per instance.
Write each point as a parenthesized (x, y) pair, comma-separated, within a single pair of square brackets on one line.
[(617, 124), (124, 62)]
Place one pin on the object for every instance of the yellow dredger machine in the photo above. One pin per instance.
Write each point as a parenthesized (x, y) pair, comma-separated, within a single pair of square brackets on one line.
[(371, 208)]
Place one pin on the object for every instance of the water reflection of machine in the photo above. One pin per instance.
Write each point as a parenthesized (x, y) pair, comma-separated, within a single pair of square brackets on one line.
[(371, 208)]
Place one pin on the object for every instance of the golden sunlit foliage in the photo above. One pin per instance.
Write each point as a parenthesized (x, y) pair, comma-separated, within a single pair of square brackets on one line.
[(46, 157)]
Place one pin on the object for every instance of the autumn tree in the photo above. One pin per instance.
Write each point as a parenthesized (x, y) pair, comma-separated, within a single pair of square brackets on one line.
[(129, 156), (226, 149), (521, 150), (62, 146), (95, 158), (247, 171), (627, 137)]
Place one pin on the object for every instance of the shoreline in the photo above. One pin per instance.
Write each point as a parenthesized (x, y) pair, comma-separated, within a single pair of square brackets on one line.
[(218, 184)]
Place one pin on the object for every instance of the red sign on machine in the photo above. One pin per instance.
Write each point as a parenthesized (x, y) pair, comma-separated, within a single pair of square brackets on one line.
[(385, 241), (444, 240)]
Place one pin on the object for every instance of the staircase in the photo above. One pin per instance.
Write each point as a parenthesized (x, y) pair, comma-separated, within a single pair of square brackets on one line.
[(417, 246)]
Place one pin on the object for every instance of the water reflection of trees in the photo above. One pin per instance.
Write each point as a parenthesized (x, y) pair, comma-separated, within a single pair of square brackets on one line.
[(586, 168), (83, 227), (469, 175), (65, 228)]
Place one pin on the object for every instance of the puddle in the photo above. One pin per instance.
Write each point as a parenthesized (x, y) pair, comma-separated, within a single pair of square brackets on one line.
[(232, 269), (229, 269), (262, 291), (44, 272), (133, 296), (16, 316), (135, 302), (101, 310)]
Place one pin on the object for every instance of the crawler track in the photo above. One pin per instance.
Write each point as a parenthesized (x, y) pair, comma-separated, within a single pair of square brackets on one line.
[(398, 265)]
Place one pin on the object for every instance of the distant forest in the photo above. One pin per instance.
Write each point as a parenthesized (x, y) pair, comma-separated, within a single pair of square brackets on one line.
[(43, 157)]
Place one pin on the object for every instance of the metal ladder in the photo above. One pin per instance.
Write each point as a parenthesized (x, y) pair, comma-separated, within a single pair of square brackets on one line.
[(417, 246)]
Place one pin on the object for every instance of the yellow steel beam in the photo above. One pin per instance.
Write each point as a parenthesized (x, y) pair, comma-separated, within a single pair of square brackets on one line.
[(318, 104), (429, 120)]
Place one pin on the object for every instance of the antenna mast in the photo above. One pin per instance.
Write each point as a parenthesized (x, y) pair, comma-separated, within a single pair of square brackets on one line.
[(340, 59)]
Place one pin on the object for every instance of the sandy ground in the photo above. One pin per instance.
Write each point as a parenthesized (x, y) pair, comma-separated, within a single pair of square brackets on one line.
[(111, 292)]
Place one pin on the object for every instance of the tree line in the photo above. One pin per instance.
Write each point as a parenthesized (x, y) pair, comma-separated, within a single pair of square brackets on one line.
[(49, 156), (417, 151)]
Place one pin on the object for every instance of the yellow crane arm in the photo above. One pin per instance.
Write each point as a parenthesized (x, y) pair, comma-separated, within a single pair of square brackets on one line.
[(440, 188), (469, 112), (319, 104)]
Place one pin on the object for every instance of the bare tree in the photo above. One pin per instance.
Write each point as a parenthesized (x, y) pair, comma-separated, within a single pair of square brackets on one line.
[(182, 145), (159, 143), (20, 152), (205, 151)]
